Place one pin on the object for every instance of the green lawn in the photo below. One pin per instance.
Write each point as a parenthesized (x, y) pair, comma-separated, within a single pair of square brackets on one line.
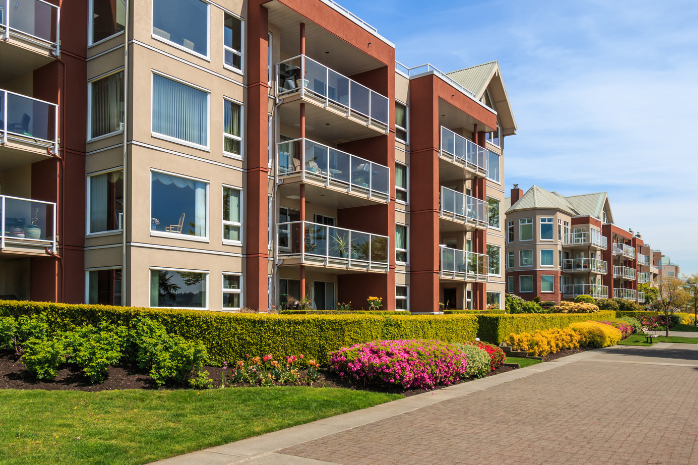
[(639, 340), (138, 426), (689, 328), (523, 362)]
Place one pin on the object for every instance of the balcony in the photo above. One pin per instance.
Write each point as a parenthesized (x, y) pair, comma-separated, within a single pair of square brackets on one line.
[(456, 149), (643, 278), (460, 212), (641, 297), (26, 226), (332, 177), (624, 250), (347, 110), (28, 130), (318, 245), (597, 291), (462, 265), (592, 239), (643, 259), (623, 272), (584, 265), (31, 38), (625, 294)]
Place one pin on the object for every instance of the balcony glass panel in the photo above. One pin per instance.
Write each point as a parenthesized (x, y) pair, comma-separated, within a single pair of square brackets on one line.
[(26, 220), (338, 88), (360, 245), (28, 117), (32, 17), (461, 262), (463, 207), (463, 150), (338, 243), (360, 98)]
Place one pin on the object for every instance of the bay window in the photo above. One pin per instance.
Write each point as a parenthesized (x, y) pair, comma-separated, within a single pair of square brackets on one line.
[(546, 229), (232, 215), (178, 206), (178, 289), (546, 257), (526, 229), (106, 105), (183, 24), (525, 257), (180, 112), (105, 195)]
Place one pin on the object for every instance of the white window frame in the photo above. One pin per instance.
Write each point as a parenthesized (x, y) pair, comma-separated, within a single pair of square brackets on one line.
[(177, 46), (500, 260), (270, 50), (231, 291), (521, 291), (270, 142), (90, 27), (157, 135), (407, 120), (511, 259), (184, 237), (88, 233), (100, 268), (541, 283), (540, 227), (499, 223), (406, 190), (521, 261), (510, 284), (240, 53), (162, 268), (89, 106), (233, 223), (521, 223), (499, 157), (242, 131), (407, 298), (270, 213), (407, 242), (559, 229), (499, 304), (510, 224), (541, 258)]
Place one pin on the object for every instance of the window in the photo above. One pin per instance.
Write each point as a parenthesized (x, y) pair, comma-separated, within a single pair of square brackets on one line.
[(547, 283), (525, 257), (401, 122), (232, 129), (546, 257), (178, 206), (232, 215), (510, 231), (106, 110), (402, 298), (232, 291), (493, 137), (525, 283), (108, 18), (605, 217), (183, 24), (510, 284), (105, 198), (559, 230), (104, 287), (493, 212), (400, 243), (546, 229), (559, 258), (494, 260), (180, 111), (326, 220), (492, 166), (400, 182), (510, 260), (178, 289), (232, 42), (493, 300), (526, 229)]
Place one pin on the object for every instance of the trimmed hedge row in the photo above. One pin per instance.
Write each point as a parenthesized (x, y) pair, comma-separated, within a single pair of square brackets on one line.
[(497, 328), (473, 312), (231, 336), (343, 312)]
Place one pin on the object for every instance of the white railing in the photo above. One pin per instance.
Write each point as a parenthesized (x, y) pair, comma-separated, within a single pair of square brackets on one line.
[(27, 223), (643, 278), (643, 259), (426, 68), (585, 238), (305, 75), (641, 297), (333, 167), (463, 151), (33, 21), (461, 264), (623, 249), (597, 291), (351, 15), (654, 269), (460, 207), (585, 265), (330, 245), (624, 272), (28, 120), (625, 294)]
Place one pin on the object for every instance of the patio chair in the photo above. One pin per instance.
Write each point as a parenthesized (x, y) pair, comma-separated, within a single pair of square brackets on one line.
[(176, 228)]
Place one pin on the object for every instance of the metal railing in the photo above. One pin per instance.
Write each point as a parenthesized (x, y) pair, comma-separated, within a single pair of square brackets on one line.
[(585, 265), (597, 291), (350, 15), (643, 278), (305, 75), (425, 68), (623, 249), (624, 272), (585, 238), (28, 223), (643, 259), (33, 21), (331, 245), (326, 164), (28, 120), (463, 151), (460, 207), (641, 297), (461, 264), (626, 294)]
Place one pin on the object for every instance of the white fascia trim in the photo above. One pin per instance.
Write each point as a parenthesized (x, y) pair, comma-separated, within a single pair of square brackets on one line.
[(105, 149), (184, 249), (185, 155), (108, 246), (105, 52)]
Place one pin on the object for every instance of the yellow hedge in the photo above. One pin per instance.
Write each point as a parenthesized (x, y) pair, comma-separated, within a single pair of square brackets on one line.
[(496, 328), (575, 307), (595, 334), (540, 343)]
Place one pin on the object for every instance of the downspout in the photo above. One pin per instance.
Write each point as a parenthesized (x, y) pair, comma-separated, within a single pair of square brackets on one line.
[(124, 275)]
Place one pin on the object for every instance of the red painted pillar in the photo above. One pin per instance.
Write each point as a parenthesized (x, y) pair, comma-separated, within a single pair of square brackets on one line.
[(302, 186), (480, 192)]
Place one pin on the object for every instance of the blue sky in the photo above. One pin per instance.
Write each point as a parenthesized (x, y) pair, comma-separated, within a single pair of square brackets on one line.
[(603, 93)]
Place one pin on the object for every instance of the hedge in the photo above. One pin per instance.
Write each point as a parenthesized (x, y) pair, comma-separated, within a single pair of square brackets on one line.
[(343, 312), (473, 312), (231, 336), (497, 328)]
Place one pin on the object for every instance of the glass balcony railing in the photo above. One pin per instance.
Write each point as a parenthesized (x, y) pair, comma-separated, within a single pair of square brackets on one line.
[(461, 207), (597, 291), (643, 278), (333, 167), (28, 120), (462, 264), (585, 265), (625, 294), (306, 75), (623, 249), (643, 259), (463, 151), (27, 223), (641, 297), (585, 238), (428, 68), (624, 272), (33, 21), (331, 245)]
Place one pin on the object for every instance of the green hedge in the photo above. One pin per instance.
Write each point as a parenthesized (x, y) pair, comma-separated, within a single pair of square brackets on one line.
[(230, 336), (474, 312), (496, 328), (342, 312)]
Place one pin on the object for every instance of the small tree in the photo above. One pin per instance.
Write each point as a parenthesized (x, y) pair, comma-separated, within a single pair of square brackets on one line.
[(672, 295), (651, 293), (691, 286)]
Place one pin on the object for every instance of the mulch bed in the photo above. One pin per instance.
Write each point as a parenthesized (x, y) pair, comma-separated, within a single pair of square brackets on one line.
[(565, 353)]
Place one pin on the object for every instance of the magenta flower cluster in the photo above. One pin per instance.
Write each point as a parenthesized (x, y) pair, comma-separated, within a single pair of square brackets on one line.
[(625, 329), (410, 364)]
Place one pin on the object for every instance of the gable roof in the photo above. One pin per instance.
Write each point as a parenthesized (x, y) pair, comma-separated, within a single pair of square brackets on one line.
[(475, 78), (574, 205)]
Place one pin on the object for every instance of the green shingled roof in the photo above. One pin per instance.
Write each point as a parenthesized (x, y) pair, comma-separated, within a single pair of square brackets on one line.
[(575, 205), (475, 78)]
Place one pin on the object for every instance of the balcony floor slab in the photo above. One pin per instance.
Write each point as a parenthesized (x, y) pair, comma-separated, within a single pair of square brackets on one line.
[(450, 224), (19, 58), (455, 171), (335, 195), (16, 154), (293, 262)]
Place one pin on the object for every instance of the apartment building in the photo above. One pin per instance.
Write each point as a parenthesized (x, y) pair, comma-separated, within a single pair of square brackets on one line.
[(191, 154), (664, 265), (559, 247)]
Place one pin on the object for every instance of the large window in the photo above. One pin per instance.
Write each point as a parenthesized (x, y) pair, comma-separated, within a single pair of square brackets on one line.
[(180, 112), (402, 298), (178, 206), (232, 129), (401, 122), (107, 18), (400, 243), (232, 215), (232, 291), (510, 231), (547, 229), (492, 166), (547, 283), (525, 257), (525, 283), (178, 289), (526, 229), (493, 212), (183, 24), (494, 300), (546, 257), (400, 182), (106, 110), (104, 287), (105, 195), (493, 253), (510, 260), (232, 42)]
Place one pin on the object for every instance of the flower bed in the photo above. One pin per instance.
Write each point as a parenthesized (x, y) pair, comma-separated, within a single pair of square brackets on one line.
[(625, 329), (596, 334), (497, 355), (541, 343), (479, 360)]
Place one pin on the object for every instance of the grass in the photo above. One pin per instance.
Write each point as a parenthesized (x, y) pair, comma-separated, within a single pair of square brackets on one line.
[(139, 426), (681, 327), (639, 340), (523, 362)]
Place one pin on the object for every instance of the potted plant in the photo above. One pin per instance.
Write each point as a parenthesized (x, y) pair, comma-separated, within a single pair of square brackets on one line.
[(33, 231)]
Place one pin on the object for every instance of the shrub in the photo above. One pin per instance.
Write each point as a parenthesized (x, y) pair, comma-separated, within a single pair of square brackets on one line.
[(536, 299), (625, 329), (513, 303), (496, 328), (406, 364), (688, 319), (474, 312), (341, 312), (527, 307), (546, 304), (575, 307), (42, 357), (596, 334), (497, 355), (607, 304), (627, 305), (587, 299), (541, 343), (478, 360), (8, 329), (633, 322), (94, 350)]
